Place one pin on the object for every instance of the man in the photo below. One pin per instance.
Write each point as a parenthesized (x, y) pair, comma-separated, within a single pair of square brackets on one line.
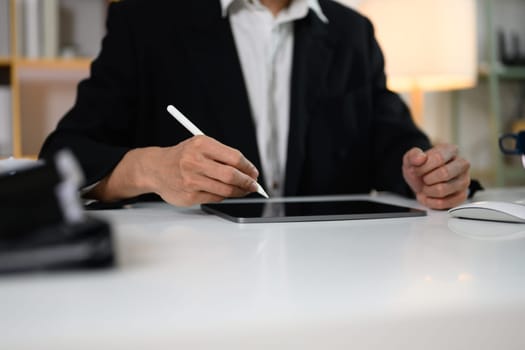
[(295, 88)]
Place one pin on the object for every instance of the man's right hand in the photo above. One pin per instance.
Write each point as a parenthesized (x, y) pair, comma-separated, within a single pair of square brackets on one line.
[(197, 170)]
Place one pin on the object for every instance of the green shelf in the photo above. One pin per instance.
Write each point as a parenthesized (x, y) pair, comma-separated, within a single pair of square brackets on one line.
[(502, 71), (505, 174), (517, 72)]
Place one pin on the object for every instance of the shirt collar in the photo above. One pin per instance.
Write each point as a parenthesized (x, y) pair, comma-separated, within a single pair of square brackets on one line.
[(312, 4)]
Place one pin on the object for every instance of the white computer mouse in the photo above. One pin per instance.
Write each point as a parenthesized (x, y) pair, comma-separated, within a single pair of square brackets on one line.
[(490, 210)]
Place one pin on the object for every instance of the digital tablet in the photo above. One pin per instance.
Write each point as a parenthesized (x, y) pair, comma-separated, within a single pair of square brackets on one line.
[(307, 210)]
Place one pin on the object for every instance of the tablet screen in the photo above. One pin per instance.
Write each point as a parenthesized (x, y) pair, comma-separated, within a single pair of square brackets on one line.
[(310, 210)]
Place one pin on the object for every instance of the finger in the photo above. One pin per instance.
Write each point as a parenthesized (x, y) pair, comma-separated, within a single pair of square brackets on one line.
[(204, 184), (449, 171), (227, 155), (210, 169), (415, 182), (445, 189), (202, 197), (414, 157), (187, 199), (443, 203), (230, 176), (205, 197), (198, 172), (437, 157)]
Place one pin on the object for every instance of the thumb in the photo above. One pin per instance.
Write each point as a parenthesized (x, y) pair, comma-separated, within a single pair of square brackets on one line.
[(414, 157)]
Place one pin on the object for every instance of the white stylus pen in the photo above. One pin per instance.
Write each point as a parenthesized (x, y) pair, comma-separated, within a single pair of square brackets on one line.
[(196, 131)]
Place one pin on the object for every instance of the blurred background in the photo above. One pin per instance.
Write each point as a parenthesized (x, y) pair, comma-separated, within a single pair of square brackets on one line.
[(459, 64)]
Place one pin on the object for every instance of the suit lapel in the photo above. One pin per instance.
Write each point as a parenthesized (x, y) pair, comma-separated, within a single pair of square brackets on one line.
[(313, 49), (211, 48)]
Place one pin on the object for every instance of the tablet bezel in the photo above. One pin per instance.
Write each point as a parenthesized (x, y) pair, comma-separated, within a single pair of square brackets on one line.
[(217, 209)]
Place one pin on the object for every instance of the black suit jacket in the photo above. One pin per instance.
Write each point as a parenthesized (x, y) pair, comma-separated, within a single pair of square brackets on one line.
[(348, 133)]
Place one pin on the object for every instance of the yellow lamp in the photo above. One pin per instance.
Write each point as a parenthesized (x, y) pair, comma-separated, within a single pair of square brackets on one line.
[(429, 45)]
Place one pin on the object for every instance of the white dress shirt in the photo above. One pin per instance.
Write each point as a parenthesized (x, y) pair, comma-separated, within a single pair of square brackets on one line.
[(265, 47)]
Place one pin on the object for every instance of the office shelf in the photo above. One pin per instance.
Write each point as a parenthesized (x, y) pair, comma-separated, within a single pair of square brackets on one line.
[(43, 89), (496, 74)]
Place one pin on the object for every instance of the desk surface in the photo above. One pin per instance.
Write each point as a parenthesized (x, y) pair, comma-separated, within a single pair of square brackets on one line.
[(189, 280)]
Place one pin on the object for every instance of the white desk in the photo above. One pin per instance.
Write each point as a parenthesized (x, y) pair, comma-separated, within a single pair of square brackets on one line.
[(188, 280)]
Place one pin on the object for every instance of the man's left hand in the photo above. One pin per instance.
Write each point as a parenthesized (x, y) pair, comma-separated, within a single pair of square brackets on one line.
[(439, 177)]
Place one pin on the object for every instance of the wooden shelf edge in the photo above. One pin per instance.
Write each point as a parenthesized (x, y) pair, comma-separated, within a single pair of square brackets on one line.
[(74, 63), (30, 156)]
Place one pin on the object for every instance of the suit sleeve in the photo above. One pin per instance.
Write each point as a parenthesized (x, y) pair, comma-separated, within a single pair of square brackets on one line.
[(394, 131), (99, 126)]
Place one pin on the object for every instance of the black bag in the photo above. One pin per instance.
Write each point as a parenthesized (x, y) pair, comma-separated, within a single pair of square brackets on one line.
[(42, 222)]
